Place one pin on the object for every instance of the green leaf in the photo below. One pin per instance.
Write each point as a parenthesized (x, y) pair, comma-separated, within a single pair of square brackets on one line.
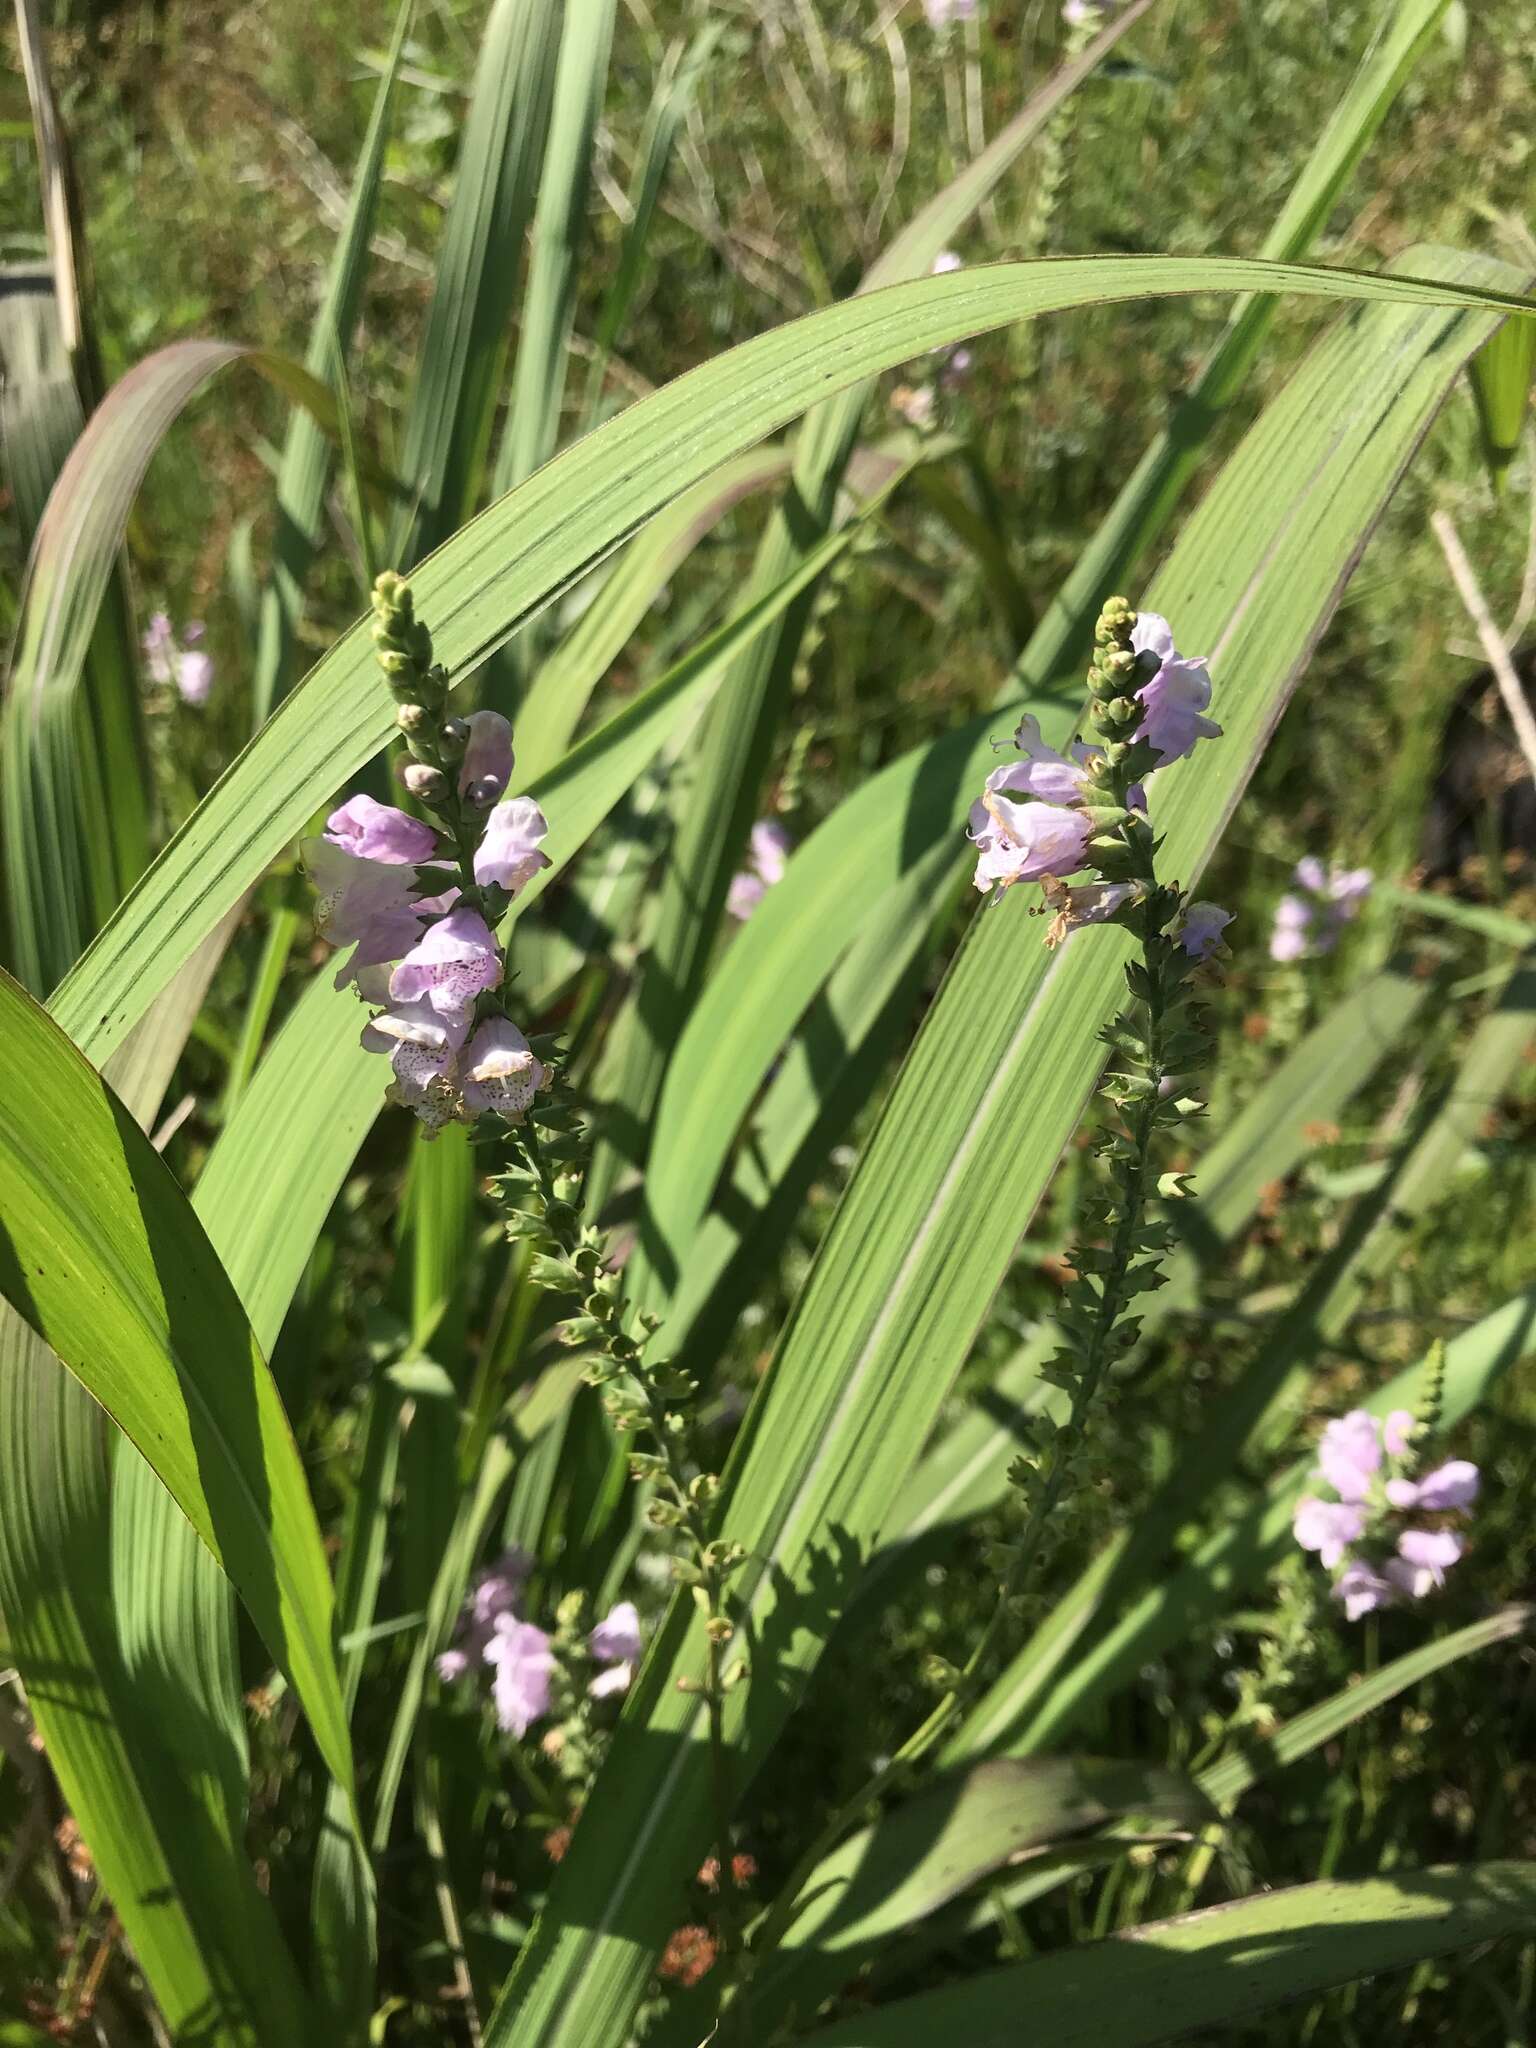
[(306, 461), (929, 1849), (541, 538), (1163, 1980), (979, 1115), (735, 742), (102, 1257), (1501, 383), (74, 557), (464, 345), (1060, 1661)]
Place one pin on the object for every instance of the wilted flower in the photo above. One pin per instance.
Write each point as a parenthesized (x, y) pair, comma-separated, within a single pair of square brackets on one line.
[(1200, 933), (768, 852), (1393, 1563), (1309, 923), (455, 960), (508, 854), (523, 1662)]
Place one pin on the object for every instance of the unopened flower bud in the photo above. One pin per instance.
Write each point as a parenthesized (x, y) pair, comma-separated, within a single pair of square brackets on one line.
[(424, 783), (411, 717), (483, 791), (453, 738), (395, 663)]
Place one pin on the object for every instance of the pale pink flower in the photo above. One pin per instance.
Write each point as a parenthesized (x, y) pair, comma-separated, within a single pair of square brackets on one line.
[(369, 901), (616, 1638), (1349, 1452), (498, 1073), (423, 1051), (1328, 1527), (1025, 842), (1362, 1590), (523, 1662), (946, 261), (486, 768), (159, 645), (1397, 1432), (194, 675), (375, 831), (768, 851), (1452, 1485), (454, 961), (941, 13), (1424, 1556), (508, 854)]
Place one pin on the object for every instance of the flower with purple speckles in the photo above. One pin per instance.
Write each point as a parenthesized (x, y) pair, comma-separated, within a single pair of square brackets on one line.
[(498, 1074), (456, 960)]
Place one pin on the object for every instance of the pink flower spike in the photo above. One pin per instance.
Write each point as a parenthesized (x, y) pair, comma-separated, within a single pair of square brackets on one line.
[(616, 1639), (1363, 1590), (375, 831), (509, 853), (523, 1661), (1397, 1432), (768, 850), (1025, 842), (1349, 1453), (1328, 1527), (159, 645), (488, 756), (1291, 936), (500, 1074), (1200, 933), (454, 962)]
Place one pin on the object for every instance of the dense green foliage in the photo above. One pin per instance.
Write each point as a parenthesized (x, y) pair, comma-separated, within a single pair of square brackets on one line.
[(317, 291)]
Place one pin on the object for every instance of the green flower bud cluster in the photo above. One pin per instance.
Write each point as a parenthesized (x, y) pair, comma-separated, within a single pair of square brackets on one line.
[(420, 687)]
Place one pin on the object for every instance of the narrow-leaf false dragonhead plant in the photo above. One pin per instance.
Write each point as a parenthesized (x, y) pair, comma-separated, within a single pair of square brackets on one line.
[(420, 906), (1050, 818)]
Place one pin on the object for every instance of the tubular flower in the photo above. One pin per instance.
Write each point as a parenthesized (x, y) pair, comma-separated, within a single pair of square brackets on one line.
[(499, 1073), (768, 852), (1384, 1562), (615, 1642), (509, 854), (1174, 698), (455, 960), (1309, 919), (1025, 842), (523, 1661), (375, 831)]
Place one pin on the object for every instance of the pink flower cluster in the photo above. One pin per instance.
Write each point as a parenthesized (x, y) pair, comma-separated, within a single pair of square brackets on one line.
[(1046, 836), (1309, 922), (522, 1655), (185, 664), (429, 960), (768, 853), (1383, 1560)]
